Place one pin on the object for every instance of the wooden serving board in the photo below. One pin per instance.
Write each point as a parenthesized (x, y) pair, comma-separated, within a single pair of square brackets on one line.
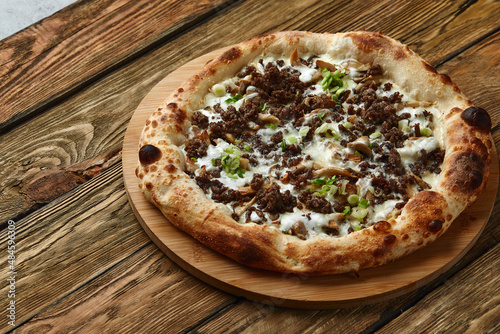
[(289, 290)]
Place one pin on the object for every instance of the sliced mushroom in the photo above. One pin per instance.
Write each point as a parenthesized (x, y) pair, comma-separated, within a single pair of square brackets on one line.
[(358, 66), (298, 168), (246, 190), (412, 104), (362, 145), (242, 87), (353, 157), (241, 209), (244, 163), (331, 171), (267, 118), (300, 230), (315, 77), (366, 82), (230, 138), (294, 58), (324, 64), (332, 224), (422, 184)]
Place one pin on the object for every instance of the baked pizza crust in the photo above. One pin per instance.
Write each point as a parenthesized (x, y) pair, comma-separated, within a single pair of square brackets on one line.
[(423, 219)]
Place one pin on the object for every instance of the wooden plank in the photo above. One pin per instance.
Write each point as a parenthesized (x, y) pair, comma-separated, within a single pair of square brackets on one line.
[(65, 52), (468, 302), (118, 300), (92, 231)]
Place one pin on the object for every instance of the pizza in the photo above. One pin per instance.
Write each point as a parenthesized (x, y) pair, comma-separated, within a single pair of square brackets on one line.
[(315, 153)]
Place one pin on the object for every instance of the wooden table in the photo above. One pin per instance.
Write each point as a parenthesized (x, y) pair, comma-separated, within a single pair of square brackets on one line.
[(69, 86)]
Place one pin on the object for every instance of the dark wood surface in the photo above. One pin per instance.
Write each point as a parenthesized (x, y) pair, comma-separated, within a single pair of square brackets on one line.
[(69, 85)]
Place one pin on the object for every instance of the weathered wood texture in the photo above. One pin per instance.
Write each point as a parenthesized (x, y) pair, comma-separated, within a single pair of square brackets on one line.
[(61, 54), (72, 250), (88, 245), (468, 302)]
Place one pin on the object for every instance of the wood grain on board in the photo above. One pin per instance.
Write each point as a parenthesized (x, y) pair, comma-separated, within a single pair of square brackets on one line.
[(68, 50)]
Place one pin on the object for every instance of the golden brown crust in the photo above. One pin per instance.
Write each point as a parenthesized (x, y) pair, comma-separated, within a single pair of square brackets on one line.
[(426, 216)]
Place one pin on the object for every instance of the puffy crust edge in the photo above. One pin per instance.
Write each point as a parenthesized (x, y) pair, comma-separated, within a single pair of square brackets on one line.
[(425, 217)]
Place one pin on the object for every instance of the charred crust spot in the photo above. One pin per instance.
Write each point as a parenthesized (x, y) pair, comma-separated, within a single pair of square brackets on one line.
[(478, 118), (149, 185), (426, 234), (445, 79), (378, 252), (429, 67), (170, 168), (389, 239), (180, 90), (154, 124), (172, 105), (149, 154), (466, 172), (405, 237), (376, 41), (153, 168), (141, 175), (148, 122), (382, 226), (231, 55), (435, 226), (137, 171), (449, 217)]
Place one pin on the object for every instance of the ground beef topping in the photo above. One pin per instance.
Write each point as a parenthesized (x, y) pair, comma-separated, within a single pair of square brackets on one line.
[(312, 150)]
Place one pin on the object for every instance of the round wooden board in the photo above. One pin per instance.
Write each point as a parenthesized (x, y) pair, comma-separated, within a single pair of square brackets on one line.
[(288, 290)]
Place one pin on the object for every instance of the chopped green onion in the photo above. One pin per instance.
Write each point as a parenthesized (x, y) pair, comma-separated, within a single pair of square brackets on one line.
[(370, 145), (332, 180), (347, 125), (358, 153), (356, 227), (347, 210), (263, 107), (218, 90), (214, 162), (234, 98), (283, 145), (247, 148), (272, 126), (320, 116), (303, 131), (359, 213), (319, 181), (328, 190), (375, 135), (364, 203), (194, 159), (353, 199), (237, 141), (233, 149), (343, 186), (240, 172), (232, 175), (329, 130), (426, 132), (292, 140)]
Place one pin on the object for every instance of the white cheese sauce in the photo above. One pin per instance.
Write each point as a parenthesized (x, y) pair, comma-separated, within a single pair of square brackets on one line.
[(322, 151)]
